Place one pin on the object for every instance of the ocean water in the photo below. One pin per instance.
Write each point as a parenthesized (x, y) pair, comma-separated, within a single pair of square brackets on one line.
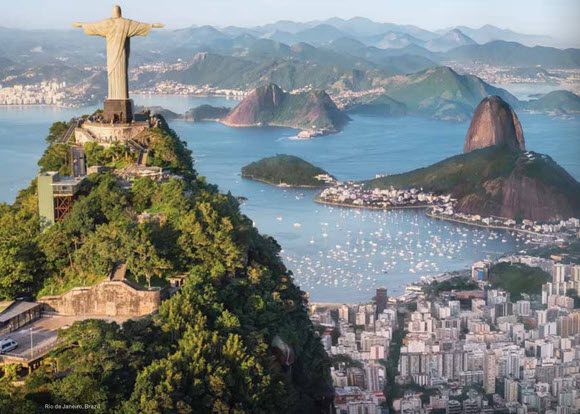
[(335, 254)]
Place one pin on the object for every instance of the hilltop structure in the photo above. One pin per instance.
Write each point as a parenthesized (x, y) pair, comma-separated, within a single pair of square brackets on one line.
[(117, 121), (115, 124)]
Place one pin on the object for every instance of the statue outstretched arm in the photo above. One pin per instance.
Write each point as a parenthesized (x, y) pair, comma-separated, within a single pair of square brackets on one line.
[(141, 29), (94, 29)]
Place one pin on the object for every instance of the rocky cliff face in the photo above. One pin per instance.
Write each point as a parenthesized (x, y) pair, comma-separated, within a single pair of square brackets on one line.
[(256, 107), (535, 188), (270, 105), (494, 123)]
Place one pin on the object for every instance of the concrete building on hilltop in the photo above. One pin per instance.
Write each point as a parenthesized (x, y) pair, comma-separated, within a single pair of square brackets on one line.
[(56, 195)]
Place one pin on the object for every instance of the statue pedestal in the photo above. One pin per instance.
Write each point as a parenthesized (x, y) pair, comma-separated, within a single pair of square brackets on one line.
[(118, 111)]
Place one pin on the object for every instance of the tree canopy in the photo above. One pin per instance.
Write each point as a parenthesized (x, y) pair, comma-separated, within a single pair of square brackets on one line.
[(209, 348)]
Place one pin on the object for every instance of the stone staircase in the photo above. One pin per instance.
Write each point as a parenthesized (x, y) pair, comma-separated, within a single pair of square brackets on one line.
[(142, 152)]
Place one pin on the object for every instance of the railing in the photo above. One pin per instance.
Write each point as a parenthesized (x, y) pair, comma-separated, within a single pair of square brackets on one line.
[(31, 354), (74, 123)]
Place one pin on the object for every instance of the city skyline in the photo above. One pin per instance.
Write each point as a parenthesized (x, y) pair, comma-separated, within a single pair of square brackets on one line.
[(556, 19)]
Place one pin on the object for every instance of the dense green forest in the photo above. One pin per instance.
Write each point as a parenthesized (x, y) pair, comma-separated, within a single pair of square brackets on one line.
[(284, 169), (209, 348), (518, 279)]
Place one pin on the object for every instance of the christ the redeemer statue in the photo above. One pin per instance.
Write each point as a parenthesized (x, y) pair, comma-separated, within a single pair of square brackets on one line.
[(117, 31)]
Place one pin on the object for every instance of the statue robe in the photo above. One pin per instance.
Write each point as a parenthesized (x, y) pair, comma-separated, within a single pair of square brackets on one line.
[(117, 32)]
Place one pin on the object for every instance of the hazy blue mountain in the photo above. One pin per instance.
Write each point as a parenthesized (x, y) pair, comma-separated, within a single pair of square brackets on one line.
[(235, 31), (347, 45), (363, 27), (249, 46), (393, 40), (489, 33), (211, 69), (328, 57), (413, 50), (198, 35), (285, 26), (281, 36), (452, 39), (320, 34), (515, 54), (403, 63)]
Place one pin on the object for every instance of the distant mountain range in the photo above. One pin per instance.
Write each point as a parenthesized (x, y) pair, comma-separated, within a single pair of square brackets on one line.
[(489, 33), (336, 55), (438, 92), (502, 53), (42, 46)]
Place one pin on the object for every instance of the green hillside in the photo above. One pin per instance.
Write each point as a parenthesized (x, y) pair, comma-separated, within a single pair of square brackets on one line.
[(461, 174), (443, 93), (284, 169), (209, 348), (556, 101), (381, 105), (518, 279), (206, 113), (497, 181)]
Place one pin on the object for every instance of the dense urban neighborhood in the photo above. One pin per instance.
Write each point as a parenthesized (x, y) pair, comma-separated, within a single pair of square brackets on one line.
[(457, 343)]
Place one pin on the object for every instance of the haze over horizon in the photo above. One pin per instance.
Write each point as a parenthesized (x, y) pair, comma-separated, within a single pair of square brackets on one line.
[(552, 18)]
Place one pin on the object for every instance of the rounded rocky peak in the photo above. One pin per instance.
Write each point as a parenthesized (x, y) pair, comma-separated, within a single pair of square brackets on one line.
[(494, 122)]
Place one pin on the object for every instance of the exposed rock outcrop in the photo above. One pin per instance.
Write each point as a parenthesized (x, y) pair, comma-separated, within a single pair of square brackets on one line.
[(270, 105), (496, 176), (494, 123)]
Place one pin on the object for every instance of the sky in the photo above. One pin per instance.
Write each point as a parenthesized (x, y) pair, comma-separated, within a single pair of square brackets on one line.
[(557, 18)]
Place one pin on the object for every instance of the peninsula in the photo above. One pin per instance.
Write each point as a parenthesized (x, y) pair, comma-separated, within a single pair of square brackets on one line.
[(496, 176), (495, 182)]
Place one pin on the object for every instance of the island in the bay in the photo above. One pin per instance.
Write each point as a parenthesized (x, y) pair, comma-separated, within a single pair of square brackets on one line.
[(287, 171), (313, 112)]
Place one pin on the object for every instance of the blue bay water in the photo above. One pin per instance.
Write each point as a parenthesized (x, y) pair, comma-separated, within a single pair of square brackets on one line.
[(335, 254)]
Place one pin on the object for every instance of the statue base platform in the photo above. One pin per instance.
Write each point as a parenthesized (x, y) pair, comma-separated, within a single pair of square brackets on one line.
[(107, 134), (118, 111)]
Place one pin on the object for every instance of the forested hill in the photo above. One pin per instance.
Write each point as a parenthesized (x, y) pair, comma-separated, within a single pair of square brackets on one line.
[(286, 170), (212, 347)]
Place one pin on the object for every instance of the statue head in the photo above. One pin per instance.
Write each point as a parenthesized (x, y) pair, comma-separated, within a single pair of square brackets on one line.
[(116, 11)]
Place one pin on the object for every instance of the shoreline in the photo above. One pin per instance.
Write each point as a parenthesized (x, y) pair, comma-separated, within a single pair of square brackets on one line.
[(134, 94), (324, 132), (436, 217), (337, 204), (281, 185), (487, 226)]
